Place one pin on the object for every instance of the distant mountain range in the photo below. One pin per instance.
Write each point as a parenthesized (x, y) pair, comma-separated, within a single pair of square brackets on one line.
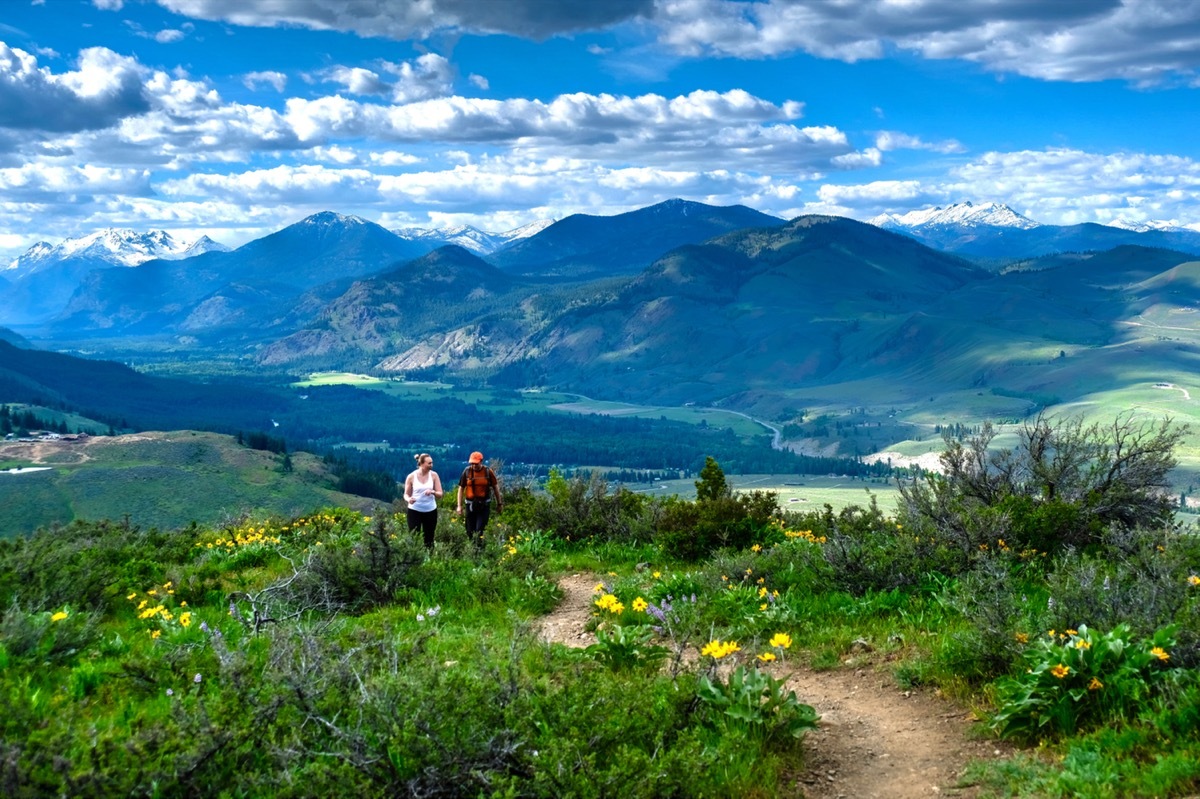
[(282, 281), (999, 234), (678, 302), (40, 282)]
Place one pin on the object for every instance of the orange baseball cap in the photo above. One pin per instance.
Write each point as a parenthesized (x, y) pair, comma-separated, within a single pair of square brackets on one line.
[(476, 457)]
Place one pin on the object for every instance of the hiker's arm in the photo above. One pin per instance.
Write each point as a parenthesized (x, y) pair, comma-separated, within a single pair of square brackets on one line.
[(408, 484), (437, 486), (458, 499)]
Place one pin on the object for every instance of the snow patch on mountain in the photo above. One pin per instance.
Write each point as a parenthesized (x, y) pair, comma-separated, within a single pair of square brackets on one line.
[(964, 214), (480, 242), (1148, 225)]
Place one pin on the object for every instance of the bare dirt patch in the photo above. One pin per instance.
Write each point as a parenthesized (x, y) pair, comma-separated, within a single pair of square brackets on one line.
[(875, 740)]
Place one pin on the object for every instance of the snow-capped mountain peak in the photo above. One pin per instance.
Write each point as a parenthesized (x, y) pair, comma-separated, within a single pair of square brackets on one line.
[(965, 214), (480, 242), (331, 218), (1146, 226), (111, 247)]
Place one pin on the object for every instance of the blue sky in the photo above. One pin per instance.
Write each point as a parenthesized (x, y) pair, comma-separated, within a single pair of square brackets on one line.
[(235, 118)]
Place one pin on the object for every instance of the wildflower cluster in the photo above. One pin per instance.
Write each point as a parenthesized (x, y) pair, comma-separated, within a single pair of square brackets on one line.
[(536, 543), (778, 643), (750, 598), (157, 606), (610, 603), (1072, 676), (717, 649), (311, 530), (242, 537)]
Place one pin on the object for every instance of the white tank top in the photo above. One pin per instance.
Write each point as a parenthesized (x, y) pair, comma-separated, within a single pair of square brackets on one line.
[(422, 502)]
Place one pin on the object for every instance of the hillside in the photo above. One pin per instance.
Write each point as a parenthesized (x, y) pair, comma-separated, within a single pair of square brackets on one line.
[(761, 308), (156, 479), (115, 394)]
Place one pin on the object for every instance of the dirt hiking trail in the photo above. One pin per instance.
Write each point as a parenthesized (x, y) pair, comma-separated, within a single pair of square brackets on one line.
[(875, 741)]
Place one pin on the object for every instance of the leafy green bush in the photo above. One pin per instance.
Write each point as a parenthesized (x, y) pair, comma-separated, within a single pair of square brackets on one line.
[(1061, 486), (622, 648), (752, 704), (1075, 678), (86, 564)]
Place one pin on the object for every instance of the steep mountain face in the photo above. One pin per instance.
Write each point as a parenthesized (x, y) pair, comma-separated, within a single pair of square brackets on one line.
[(582, 246), (397, 310), (41, 281), (262, 285), (996, 232)]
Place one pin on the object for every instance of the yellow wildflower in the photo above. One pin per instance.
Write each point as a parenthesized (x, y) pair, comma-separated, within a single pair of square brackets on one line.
[(1193, 580), (1071, 632), (763, 606), (656, 575), (1095, 685), (155, 633), (1082, 644), (1060, 671), (767, 657), (599, 587), (1160, 653), (62, 614), (1022, 638), (185, 619), (640, 604), (756, 548), (781, 640), (132, 596)]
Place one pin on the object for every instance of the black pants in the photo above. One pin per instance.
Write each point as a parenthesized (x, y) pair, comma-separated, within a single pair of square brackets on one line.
[(426, 520), (478, 511)]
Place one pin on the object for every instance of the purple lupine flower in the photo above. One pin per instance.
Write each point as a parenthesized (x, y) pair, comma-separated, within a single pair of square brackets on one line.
[(170, 692), (433, 611), (420, 617), (656, 612), (197, 678), (203, 626)]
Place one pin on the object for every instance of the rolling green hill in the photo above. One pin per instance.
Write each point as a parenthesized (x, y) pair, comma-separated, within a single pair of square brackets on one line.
[(154, 479)]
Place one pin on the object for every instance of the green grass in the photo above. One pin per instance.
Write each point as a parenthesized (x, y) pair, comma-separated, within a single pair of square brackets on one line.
[(164, 480)]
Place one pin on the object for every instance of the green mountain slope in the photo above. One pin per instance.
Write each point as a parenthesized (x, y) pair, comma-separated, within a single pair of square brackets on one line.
[(164, 480)]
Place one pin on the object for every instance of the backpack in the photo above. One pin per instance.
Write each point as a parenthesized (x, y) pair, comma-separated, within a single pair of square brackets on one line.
[(477, 481)]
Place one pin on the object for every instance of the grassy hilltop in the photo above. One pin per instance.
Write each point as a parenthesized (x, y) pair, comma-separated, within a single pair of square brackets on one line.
[(158, 479)]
